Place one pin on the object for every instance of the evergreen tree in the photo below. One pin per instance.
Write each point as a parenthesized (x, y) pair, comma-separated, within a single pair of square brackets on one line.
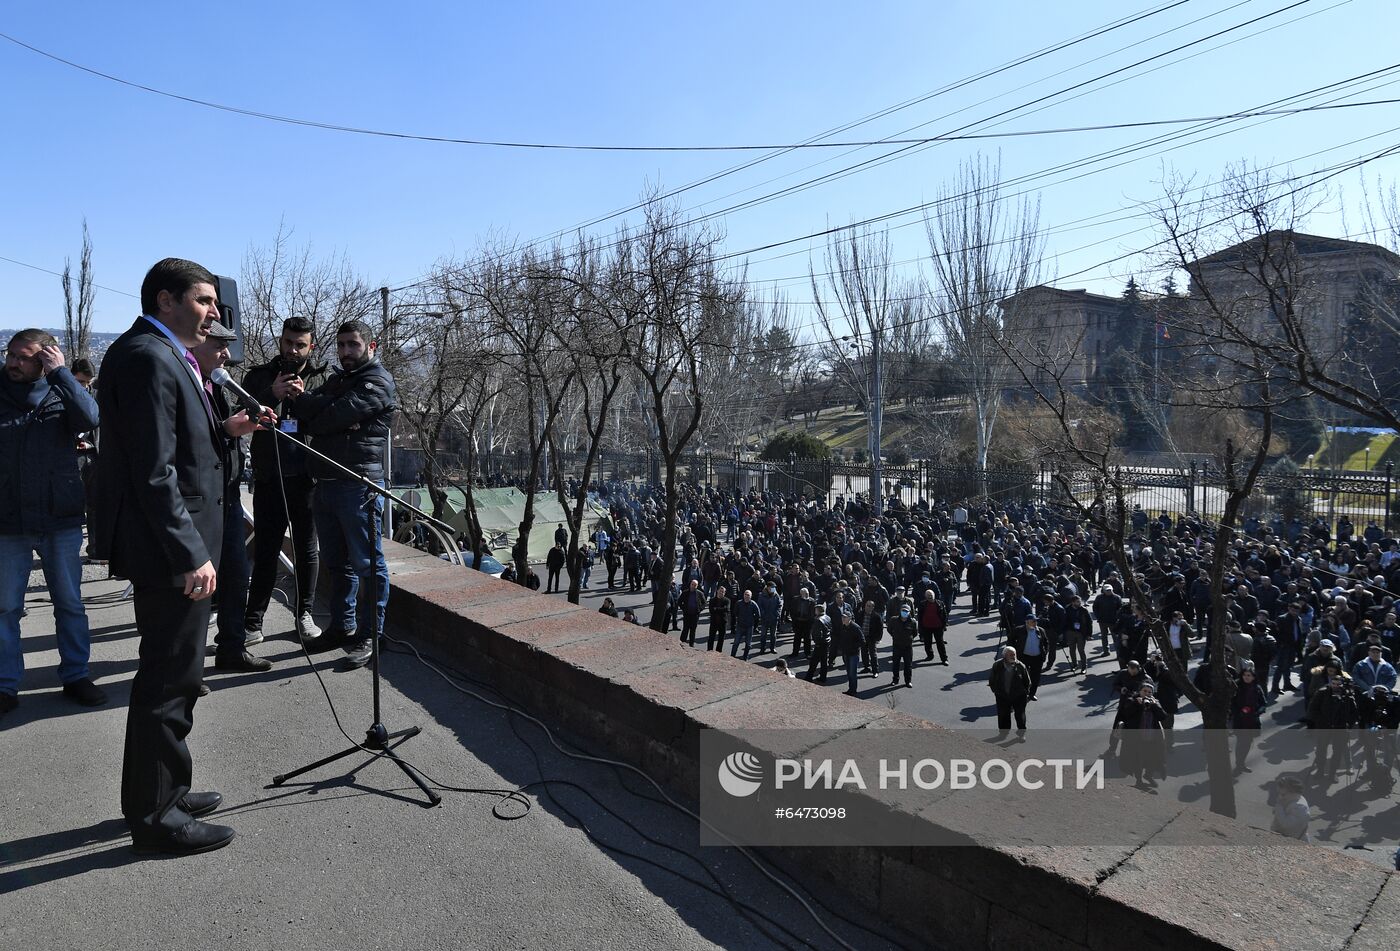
[(1289, 495)]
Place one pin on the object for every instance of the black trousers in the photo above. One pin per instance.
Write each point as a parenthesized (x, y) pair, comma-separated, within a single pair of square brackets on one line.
[(1007, 707), (552, 580), (903, 654), (929, 635), (156, 767), (1035, 663), (982, 601), (269, 526), (1283, 666), (232, 593), (689, 622), (716, 638), (801, 637), (821, 657)]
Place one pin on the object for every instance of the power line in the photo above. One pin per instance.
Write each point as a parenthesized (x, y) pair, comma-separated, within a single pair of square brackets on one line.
[(1004, 114), (35, 267), (1102, 30), (906, 150), (1306, 180), (1102, 218), (1070, 166), (580, 147)]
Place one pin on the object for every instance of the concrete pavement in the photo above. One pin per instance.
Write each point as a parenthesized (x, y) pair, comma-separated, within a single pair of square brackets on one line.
[(344, 856)]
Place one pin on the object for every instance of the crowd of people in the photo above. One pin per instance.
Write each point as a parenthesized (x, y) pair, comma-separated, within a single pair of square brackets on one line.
[(1306, 611)]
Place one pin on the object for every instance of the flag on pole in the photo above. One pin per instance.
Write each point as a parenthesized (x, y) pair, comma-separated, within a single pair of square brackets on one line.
[(1162, 332)]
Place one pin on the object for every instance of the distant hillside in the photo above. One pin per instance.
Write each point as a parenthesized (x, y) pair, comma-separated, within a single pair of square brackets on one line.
[(844, 428), (100, 341)]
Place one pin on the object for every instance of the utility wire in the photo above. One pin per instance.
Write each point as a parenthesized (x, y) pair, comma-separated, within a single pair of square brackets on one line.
[(891, 156), (943, 90)]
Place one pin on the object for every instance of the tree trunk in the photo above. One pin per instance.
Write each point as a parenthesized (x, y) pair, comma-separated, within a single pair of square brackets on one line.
[(667, 554)]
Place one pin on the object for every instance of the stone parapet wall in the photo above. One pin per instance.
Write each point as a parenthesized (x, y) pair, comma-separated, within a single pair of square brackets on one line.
[(645, 698)]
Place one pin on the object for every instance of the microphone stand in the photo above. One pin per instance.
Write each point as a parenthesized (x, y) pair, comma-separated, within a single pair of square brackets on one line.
[(378, 739)]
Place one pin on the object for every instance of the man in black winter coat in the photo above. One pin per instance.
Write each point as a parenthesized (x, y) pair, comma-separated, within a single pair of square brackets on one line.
[(1011, 686), (42, 410), (282, 485), (348, 420)]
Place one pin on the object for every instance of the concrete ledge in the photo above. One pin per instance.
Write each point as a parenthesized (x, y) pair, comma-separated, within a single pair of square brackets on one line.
[(645, 697)]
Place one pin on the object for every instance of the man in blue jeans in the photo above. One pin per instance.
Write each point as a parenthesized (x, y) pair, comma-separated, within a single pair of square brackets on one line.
[(42, 411), (348, 419), (746, 616)]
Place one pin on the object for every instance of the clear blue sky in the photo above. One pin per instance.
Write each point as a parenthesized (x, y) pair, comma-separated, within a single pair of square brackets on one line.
[(157, 177)]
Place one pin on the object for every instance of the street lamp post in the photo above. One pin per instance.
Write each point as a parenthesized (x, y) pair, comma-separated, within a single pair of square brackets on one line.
[(386, 344)]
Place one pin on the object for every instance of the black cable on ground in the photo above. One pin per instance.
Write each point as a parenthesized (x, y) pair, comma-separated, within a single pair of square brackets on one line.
[(622, 769)]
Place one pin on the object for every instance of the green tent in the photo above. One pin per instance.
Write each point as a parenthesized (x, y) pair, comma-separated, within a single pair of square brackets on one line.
[(499, 511)]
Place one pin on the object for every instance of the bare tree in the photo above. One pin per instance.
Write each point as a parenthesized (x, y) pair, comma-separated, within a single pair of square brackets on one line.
[(77, 314), (858, 324), (519, 293), (674, 303), (1342, 305), (1244, 287), (279, 281), (590, 332), (746, 363), (986, 249)]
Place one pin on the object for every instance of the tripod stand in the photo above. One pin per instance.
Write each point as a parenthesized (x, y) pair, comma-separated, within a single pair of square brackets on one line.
[(378, 739)]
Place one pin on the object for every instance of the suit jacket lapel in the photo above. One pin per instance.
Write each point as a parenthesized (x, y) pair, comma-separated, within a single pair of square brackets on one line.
[(186, 371)]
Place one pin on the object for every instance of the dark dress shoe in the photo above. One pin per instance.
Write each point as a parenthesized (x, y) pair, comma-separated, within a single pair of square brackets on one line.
[(8, 702), (200, 803), (242, 661), (85, 692), (190, 839), (204, 690)]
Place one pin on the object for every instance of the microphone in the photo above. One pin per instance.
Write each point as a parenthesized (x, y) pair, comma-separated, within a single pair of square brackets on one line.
[(221, 377)]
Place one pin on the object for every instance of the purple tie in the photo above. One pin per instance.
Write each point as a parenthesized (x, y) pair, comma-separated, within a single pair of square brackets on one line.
[(203, 390)]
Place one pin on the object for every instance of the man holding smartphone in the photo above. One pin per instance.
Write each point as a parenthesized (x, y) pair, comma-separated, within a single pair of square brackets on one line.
[(281, 483)]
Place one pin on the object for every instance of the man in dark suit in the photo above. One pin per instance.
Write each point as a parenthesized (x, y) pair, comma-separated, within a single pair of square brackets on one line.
[(160, 519), (230, 643)]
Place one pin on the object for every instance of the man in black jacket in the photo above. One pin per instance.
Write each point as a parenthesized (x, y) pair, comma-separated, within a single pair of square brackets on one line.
[(230, 642), (554, 562), (1011, 686), (347, 419), (42, 410), (281, 484), (1292, 634)]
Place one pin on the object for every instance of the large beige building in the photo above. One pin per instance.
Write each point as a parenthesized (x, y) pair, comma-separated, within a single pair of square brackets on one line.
[(1334, 287), (1346, 294)]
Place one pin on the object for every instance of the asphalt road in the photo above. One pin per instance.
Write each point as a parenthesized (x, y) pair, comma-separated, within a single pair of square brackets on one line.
[(958, 696)]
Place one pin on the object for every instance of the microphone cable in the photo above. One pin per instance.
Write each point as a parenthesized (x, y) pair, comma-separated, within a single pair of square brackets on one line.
[(517, 795), (622, 768)]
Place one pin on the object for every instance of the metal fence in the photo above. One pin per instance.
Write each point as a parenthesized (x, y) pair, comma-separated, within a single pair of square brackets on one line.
[(1197, 488), (1361, 496)]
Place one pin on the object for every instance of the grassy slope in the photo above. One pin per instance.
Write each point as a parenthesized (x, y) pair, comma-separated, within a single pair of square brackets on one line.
[(1350, 450), (844, 429)]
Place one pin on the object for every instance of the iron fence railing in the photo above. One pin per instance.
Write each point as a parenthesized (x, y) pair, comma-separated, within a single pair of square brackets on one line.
[(1197, 488)]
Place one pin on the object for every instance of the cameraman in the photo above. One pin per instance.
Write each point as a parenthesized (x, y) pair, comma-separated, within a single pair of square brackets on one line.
[(348, 418), (1379, 713), (1331, 712), (279, 472)]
